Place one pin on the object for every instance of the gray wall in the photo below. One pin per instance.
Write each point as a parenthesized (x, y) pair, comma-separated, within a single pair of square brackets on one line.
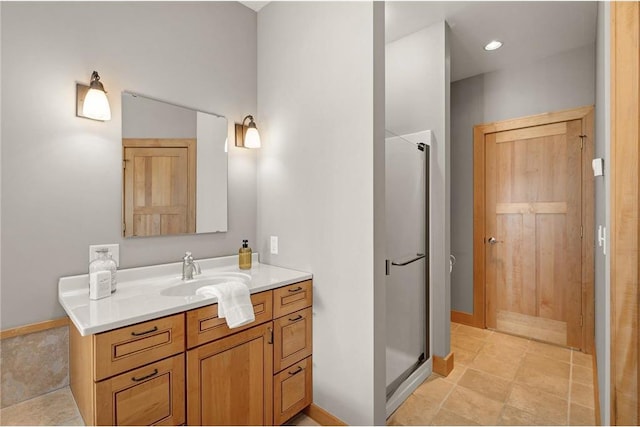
[(417, 99), (602, 275), (61, 175), (147, 118), (558, 82), (316, 184)]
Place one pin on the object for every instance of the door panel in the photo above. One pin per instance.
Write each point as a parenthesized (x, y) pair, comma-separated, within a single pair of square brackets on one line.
[(533, 210)]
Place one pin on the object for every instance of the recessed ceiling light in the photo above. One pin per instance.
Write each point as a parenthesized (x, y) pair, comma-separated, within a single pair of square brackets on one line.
[(493, 45)]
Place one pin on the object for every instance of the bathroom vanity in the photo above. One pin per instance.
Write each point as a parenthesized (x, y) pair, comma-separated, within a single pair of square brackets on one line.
[(157, 353)]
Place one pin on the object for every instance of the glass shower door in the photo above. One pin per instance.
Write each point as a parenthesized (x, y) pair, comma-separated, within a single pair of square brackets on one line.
[(406, 171)]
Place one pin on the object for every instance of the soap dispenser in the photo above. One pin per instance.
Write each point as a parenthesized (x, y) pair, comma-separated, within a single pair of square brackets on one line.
[(244, 256)]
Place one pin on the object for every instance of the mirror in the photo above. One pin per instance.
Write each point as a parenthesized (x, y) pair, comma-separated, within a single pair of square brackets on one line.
[(174, 169)]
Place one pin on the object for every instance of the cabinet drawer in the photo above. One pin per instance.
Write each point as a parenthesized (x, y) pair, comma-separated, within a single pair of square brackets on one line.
[(151, 395), (126, 348), (292, 298), (292, 391), (292, 338), (204, 325)]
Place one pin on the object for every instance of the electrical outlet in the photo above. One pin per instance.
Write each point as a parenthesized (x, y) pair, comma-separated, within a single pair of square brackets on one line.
[(274, 245), (114, 248)]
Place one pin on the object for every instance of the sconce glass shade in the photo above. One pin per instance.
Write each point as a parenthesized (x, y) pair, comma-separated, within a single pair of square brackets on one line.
[(96, 105), (252, 137), (92, 100)]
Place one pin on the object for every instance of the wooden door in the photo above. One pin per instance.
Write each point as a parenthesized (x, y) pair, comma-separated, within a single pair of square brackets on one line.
[(151, 395), (229, 381), (159, 189), (625, 214), (533, 243)]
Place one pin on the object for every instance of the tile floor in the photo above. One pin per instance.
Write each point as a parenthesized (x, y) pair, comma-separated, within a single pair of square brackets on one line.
[(501, 379), (498, 379), (58, 408)]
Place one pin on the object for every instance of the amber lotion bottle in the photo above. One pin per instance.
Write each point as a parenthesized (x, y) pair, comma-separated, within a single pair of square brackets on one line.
[(244, 256)]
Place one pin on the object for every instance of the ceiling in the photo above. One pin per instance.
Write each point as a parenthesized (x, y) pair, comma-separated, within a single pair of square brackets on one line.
[(529, 30), (255, 5)]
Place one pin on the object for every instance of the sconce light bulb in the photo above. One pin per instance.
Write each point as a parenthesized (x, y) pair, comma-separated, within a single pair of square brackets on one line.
[(96, 105), (252, 137)]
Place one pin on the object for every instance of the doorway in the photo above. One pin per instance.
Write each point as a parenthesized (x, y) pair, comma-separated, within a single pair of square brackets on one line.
[(533, 225)]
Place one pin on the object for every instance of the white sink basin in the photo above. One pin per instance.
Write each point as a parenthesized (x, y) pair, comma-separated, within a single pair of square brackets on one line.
[(185, 288)]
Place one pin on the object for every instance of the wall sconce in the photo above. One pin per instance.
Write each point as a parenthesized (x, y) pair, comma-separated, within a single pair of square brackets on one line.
[(247, 136), (91, 101)]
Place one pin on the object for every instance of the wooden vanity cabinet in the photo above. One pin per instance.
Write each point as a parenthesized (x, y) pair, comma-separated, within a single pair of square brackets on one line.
[(190, 367)]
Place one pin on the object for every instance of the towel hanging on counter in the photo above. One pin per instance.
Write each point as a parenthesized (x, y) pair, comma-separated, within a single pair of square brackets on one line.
[(234, 302)]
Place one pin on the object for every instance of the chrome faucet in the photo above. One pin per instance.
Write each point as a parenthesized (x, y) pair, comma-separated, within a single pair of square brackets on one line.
[(189, 267)]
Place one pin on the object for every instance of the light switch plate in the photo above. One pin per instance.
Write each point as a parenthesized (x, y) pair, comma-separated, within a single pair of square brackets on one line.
[(274, 245), (113, 247)]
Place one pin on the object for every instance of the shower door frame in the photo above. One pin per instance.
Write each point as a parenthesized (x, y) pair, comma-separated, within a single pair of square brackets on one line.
[(412, 377)]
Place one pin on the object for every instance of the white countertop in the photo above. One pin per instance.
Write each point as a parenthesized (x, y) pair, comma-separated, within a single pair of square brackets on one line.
[(138, 297)]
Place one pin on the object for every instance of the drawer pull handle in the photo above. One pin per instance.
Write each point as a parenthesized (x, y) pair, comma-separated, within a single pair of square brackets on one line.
[(153, 374), (270, 340), (296, 371), (137, 334), (295, 319), (299, 288)]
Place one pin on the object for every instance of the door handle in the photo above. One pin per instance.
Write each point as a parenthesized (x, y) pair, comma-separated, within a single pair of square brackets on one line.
[(389, 263), (493, 241)]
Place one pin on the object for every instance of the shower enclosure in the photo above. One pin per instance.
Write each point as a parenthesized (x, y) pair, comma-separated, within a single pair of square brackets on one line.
[(408, 357)]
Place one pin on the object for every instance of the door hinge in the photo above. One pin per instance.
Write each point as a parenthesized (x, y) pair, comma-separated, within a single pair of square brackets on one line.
[(124, 228), (582, 137), (581, 232), (124, 164), (270, 341), (581, 320)]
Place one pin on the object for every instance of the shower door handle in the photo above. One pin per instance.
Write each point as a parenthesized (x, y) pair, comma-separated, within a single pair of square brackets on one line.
[(389, 263)]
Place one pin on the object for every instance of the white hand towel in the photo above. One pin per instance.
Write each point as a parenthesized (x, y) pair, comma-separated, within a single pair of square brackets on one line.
[(234, 302)]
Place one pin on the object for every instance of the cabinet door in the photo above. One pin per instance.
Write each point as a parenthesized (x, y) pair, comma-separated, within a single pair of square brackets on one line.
[(229, 381), (292, 338), (151, 395), (292, 390)]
